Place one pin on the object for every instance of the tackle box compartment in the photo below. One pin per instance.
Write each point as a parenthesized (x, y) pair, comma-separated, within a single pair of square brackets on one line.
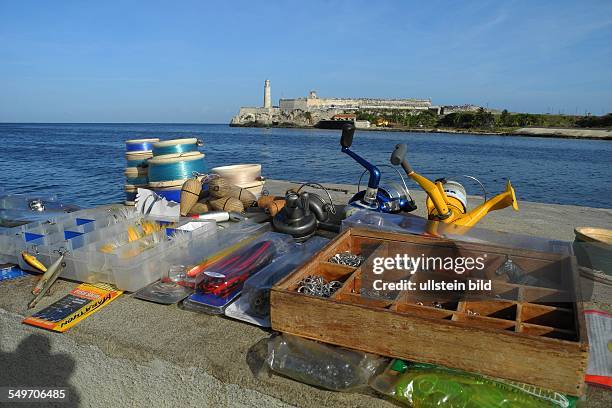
[(136, 264)]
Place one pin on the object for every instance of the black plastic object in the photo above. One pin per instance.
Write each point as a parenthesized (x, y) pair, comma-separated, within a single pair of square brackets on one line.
[(295, 218), (399, 157), (348, 131), (326, 219)]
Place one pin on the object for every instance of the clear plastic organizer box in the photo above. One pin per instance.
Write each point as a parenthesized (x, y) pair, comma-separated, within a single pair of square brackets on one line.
[(101, 246), (56, 228)]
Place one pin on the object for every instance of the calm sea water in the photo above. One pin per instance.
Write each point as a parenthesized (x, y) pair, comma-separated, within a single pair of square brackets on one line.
[(83, 163)]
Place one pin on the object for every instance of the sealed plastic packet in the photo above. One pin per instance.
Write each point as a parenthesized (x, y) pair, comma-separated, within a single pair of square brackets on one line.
[(426, 385), (322, 365), (222, 281), (256, 290)]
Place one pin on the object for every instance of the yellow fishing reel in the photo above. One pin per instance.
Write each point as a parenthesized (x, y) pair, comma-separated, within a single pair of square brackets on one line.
[(447, 200)]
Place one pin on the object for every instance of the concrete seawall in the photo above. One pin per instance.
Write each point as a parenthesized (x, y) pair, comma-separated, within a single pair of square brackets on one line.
[(159, 355)]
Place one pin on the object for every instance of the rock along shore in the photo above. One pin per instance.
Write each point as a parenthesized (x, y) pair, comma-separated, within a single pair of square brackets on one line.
[(562, 133)]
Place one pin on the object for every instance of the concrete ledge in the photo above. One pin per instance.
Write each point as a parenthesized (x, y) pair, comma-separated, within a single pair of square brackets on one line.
[(154, 355)]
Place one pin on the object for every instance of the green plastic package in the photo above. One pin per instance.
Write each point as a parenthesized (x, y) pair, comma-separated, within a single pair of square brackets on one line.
[(426, 385)]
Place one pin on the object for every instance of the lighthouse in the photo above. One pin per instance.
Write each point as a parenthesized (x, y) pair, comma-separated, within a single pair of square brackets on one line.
[(267, 99)]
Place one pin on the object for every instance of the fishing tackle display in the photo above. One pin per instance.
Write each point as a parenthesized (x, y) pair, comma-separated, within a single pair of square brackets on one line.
[(388, 199)]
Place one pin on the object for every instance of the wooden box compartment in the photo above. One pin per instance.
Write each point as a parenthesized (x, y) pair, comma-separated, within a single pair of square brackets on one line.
[(519, 332)]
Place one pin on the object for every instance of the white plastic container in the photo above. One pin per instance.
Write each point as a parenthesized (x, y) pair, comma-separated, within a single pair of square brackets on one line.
[(128, 266)]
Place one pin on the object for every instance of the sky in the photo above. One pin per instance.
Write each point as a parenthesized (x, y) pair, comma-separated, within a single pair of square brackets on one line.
[(189, 61)]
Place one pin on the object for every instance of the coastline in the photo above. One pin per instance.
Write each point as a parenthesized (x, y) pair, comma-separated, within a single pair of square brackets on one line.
[(559, 133)]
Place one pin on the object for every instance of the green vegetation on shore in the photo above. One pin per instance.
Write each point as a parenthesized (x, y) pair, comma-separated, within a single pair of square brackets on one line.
[(483, 120)]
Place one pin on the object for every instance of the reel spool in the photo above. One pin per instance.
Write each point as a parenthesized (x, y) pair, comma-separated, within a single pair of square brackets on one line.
[(374, 198)]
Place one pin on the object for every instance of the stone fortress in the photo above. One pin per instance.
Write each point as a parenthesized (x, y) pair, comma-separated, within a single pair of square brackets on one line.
[(308, 111)]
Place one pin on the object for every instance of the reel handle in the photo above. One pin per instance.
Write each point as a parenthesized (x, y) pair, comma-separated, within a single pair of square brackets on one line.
[(399, 157), (346, 140), (305, 197)]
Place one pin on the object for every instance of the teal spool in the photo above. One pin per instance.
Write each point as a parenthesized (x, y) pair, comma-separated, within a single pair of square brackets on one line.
[(176, 167), (175, 146), (179, 148)]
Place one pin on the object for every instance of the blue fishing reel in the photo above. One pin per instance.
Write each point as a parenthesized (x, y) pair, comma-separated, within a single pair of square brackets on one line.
[(391, 198)]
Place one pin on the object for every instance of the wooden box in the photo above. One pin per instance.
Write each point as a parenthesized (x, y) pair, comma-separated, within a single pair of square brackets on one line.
[(521, 332)]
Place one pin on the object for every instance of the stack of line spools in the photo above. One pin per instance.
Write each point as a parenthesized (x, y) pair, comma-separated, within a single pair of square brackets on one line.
[(245, 176), (137, 153), (173, 162)]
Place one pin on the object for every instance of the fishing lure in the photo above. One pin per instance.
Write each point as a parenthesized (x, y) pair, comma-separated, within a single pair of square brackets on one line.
[(134, 233), (197, 269), (33, 262), (225, 275), (45, 282), (424, 386)]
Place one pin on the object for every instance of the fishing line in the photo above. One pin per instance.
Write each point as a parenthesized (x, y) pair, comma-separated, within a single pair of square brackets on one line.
[(176, 168), (140, 145), (174, 149), (176, 146)]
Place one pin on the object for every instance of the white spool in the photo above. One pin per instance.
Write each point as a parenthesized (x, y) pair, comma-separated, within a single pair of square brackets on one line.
[(238, 174)]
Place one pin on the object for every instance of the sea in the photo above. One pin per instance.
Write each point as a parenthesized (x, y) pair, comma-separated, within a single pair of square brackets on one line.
[(83, 164)]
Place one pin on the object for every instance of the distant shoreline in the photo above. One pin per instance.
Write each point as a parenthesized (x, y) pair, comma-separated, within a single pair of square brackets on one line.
[(561, 133)]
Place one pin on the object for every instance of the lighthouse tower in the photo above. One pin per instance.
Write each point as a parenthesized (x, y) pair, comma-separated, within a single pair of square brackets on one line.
[(267, 99)]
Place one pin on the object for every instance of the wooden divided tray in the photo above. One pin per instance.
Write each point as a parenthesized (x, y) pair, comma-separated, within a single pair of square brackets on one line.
[(518, 331)]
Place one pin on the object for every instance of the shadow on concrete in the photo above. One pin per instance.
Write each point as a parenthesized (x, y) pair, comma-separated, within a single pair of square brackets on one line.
[(32, 365)]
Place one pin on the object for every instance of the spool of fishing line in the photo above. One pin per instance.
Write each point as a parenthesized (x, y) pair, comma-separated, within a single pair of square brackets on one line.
[(140, 145), (238, 174), (138, 159), (175, 146), (245, 176), (136, 176), (175, 167)]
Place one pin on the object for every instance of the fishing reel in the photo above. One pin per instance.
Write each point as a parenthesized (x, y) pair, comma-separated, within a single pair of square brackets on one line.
[(389, 198), (447, 199), (296, 217)]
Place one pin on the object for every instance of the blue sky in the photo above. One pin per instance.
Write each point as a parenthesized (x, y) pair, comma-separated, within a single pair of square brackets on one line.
[(197, 61)]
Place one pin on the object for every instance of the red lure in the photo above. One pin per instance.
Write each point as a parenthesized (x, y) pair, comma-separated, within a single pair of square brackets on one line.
[(225, 275)]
